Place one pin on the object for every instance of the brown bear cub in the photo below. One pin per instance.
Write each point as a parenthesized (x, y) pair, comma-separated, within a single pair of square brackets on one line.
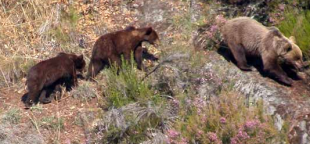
[(49, 74), (247, 37), (110, 47)]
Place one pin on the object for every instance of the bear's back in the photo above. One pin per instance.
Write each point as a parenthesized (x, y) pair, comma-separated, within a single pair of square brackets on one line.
[(50, 69), (246, 32), (244, 27)]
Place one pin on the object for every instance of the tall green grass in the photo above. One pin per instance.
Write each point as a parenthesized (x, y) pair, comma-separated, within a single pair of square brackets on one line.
[(297, 23)]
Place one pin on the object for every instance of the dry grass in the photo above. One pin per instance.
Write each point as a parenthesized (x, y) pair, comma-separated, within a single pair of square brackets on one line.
[(35, 30)]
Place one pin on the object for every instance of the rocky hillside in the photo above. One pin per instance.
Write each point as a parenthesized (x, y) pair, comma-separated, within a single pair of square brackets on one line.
[(195, 93)]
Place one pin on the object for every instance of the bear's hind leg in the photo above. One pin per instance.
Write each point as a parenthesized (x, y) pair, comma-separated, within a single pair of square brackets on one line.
[(240, 56), (273, 68)]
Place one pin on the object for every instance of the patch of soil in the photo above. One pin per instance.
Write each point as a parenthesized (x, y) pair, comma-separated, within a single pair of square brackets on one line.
[(68, 109)]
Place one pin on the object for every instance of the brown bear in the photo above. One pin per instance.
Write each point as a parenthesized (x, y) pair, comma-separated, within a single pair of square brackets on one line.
[(49, 74), (247, 37), (110, 47)]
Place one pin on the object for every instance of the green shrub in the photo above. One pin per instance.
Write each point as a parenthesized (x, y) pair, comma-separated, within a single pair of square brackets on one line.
[(124, 86), (297, 23)]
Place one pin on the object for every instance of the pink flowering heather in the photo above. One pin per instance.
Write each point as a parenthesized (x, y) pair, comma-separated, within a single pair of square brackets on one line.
[(282, 7), (223, 120), (203, 118), (199, 133), (183, 141), (199, 103), (220, 19), (173, 134), (213, 28), (242, 135), (234, 140), (271, 19), (212, 136), (251, 124)]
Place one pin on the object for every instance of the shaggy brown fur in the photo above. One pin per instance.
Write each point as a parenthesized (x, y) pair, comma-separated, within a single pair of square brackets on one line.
[(49, 74), (110, 47), (247, 37)]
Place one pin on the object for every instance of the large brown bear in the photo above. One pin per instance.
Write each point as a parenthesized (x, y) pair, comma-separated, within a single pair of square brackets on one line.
[(47, 75), (110, 47), (247, 37)]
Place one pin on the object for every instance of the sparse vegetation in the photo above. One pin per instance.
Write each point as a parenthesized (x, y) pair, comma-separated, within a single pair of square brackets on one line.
[(52, 122), (11, 116), (84, 92)]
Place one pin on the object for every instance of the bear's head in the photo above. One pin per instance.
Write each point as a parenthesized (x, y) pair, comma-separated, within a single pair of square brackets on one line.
[(293, 57), (79, 62), (151, 36), (287, 50)]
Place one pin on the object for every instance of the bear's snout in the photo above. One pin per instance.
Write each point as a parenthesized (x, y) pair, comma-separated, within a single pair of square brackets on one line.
[(156, 43)]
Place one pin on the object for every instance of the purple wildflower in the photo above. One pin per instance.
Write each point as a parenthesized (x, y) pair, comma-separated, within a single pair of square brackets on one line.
[(220, 19), (271, 19), (234, 140), (176, 102), (203, 118), (183, 141), (173, 134), (251, 124), (223, 120), (213, 28), (242, 135), (282, 7), (212, 136)]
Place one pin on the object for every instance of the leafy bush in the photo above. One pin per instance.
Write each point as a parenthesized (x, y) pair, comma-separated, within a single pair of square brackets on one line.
[(124, 86), (297, 23), (226, 119)]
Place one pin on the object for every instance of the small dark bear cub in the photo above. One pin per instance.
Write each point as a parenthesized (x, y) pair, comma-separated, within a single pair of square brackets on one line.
[(110, 47), (48, 75)]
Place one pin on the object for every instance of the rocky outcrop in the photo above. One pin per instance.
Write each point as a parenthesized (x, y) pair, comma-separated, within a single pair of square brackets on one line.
[(280, 101)]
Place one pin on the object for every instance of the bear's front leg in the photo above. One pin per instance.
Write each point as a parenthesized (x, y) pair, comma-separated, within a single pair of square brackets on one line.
[(74, 78), (138, 58), (273, 68), (239, 54), (45, 96)]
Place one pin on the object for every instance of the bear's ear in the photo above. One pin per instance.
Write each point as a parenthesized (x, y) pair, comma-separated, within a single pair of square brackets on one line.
[(275, 31), (148, 31), (292, 39), (80, 57), (130, 28)]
